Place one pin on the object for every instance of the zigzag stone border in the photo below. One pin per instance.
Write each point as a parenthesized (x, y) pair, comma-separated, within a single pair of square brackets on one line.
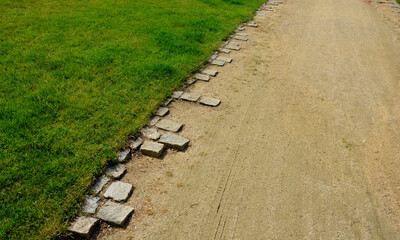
[(116, 213)]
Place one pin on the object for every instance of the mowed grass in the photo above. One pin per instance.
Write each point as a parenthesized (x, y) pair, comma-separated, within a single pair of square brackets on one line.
[(76, 79)]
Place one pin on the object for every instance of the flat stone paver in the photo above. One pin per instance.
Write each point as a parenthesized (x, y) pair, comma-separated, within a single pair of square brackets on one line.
[(174, 141), (210, 72), (124, 156), (241, 38), (225, 59), (91, 203), (234, 43), (99, 184), (162, 111), (119, 191), (210, 101), (242, 34), (168, 101), (252, 24), (218, 63), (84, 226), (152, 149), (154, 120), (169, 125), (214, 56), (224, 50), (151, 133), (240, 28), (114, 213), (232, 47), (177, 94), (116, 171), (190, 81), (202, 77), (268, 8), (191, 97), (135, 144)]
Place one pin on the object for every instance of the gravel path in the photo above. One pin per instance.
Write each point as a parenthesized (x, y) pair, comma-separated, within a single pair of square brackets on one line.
[(304, 145)]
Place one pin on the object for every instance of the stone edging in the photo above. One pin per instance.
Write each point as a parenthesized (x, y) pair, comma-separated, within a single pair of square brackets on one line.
[(152, 143)]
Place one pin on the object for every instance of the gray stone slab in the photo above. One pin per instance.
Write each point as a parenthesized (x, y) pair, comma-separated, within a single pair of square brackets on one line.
[(99, 184), (154, 120), (162, 111), (177, 94), (174, 141), (210, 101), (84, 226), (224, 50), (233, 47), (242, 34), (169, 125), (260, 14), (135, 144), (202, 77), (91, 203), (267, 8), (210, 72), (114, 213), (191, 97), (234, 43), (218, 63), (116, 171), (124, 155), (224, 59), (152, 149), (241, 38), (150, 133), (240, 28), (190, 81), (168, 101), (119, 191)]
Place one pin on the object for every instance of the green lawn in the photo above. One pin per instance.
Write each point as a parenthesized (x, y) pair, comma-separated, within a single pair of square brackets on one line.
[(76, 79)]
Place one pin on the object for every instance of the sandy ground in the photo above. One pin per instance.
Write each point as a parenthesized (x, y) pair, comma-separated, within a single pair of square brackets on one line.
[(305, 144)]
